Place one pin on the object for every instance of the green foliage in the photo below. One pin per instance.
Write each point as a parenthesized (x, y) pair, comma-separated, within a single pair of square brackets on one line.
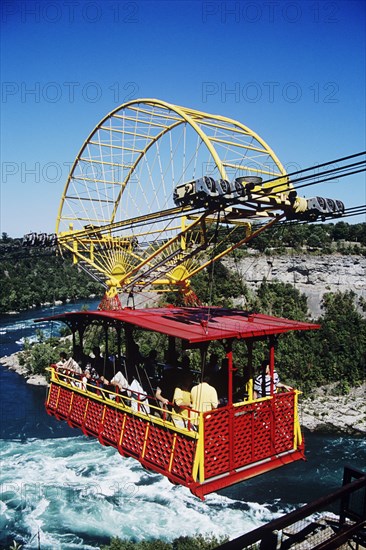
[(342, 345), (218, 285), (29, 278), (280, 299), (40, 355), (198, 542), (343, 387), (334, 353), (309, 359), (326, 238)]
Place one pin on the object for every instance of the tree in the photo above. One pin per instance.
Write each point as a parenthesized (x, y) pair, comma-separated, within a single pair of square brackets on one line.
[(342, 340), (281, 299)]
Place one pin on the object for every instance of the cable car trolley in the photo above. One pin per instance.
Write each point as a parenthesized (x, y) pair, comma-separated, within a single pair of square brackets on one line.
[(241, 438)]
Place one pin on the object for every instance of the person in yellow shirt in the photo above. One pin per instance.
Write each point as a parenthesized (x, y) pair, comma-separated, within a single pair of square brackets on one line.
[(182, 402), (204, 398)]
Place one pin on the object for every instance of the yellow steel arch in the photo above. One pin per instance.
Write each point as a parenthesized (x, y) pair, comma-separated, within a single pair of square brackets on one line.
[(183, 113), (117, 214)]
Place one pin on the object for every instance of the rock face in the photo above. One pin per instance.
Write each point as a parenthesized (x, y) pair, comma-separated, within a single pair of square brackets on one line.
[(311, 275), (339, 414)]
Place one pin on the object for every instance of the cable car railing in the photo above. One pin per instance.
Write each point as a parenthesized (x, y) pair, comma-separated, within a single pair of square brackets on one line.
[(135, 405)]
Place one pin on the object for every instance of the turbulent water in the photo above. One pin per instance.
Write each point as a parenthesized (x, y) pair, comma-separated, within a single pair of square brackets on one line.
[(61, 490)]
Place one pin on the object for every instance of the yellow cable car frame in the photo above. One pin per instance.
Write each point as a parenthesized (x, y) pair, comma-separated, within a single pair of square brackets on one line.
[(117, 215)]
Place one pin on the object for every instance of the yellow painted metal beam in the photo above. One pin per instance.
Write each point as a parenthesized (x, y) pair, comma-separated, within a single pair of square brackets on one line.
[(250, 169), (113, 146), (236, 144), (105, 162)]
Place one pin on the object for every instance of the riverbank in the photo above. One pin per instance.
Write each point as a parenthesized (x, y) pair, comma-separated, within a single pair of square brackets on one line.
[(12, 363), (322, 412)]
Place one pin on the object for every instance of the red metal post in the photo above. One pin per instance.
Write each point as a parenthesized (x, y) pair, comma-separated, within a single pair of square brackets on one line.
[(248, 373), (229, 356), (271, 362)]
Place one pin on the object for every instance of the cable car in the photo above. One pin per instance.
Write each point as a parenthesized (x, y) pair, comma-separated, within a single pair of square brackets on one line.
[(170, 191), (215, 448)]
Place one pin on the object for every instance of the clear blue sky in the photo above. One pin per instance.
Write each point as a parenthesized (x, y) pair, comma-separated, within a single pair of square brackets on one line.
[(292, 71)]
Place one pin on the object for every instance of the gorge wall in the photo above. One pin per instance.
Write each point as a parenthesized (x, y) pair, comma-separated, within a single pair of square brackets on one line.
[(311, 275)]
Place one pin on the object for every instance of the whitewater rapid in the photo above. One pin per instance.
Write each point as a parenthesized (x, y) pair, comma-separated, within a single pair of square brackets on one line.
[(73, 493)]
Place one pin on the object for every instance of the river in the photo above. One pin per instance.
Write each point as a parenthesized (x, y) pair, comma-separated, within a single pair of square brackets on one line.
[(61, 490)]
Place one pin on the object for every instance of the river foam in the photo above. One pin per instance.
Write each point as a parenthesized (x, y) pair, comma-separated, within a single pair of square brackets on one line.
[(74, 493)]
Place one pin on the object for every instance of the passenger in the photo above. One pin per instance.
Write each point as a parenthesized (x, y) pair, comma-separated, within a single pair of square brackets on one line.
[(204, 398), (220, 381), (118, 380), (213, 364), (186, 363), (63, 364), (165, 390), (139, 400), (263, 382), (182, 401), (118, 384), (137, 358), (150, 363), (97, 362), (171, 360), (85, 380), (111, 367), (72, 369), (239, 387), (63, 359), (71, 366), (80, 357)]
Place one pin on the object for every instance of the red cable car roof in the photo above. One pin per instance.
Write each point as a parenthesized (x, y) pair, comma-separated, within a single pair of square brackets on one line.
[(200, 324)]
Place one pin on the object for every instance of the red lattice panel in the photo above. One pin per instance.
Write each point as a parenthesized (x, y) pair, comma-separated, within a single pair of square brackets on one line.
[(93, 417), (63, 404), (133, 435), (184, 452), (243, 436), (77, 412), (159, 446), (216, 442), (284, 414), (52, 397), (112, 426), (263, 444)]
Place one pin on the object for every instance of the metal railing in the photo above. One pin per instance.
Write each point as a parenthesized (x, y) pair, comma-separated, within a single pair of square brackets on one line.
[(136, 402), (312, 526)]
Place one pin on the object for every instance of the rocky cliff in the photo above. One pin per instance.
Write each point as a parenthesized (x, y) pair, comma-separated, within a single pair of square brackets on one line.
[(311, 275)]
